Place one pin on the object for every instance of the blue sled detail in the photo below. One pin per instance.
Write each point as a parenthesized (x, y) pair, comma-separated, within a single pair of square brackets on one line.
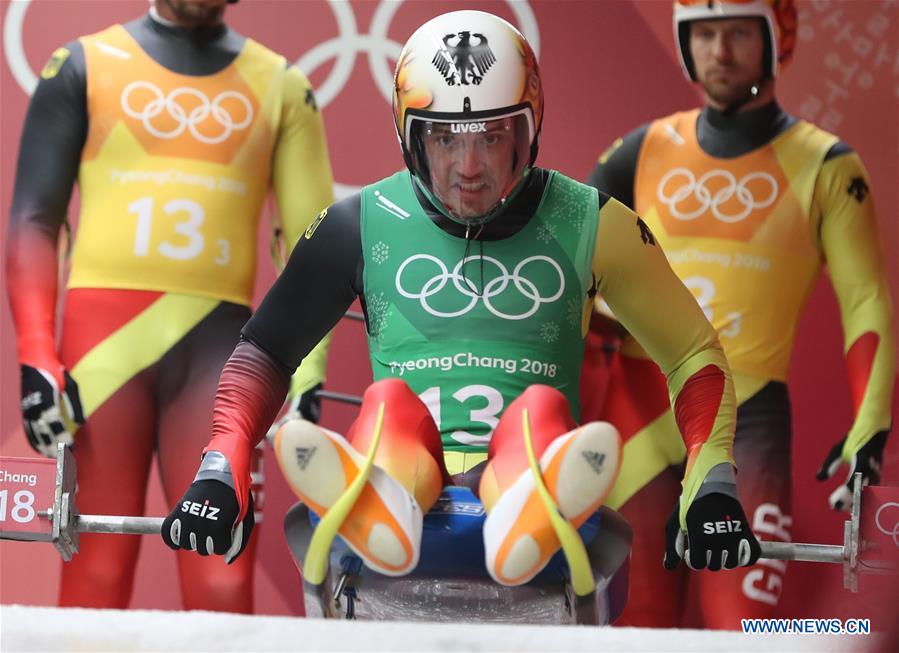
[(452, 542)]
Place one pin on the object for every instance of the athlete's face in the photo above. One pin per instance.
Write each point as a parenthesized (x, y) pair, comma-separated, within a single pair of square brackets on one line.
[(728, 58), (192, 13), (471, 164)]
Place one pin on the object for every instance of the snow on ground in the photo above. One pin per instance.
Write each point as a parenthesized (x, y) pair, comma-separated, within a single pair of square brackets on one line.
[(25, 628)]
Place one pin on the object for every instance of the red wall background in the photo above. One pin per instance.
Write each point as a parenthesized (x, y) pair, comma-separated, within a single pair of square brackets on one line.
[(608, 66)]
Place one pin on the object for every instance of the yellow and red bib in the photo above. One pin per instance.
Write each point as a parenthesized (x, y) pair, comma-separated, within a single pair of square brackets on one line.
[(174, 171), (739, 232)]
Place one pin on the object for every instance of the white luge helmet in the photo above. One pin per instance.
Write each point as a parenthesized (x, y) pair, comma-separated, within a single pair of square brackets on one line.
[(463, 73)]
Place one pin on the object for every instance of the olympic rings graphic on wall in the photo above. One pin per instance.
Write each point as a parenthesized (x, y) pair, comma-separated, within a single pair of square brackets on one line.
[(887, 528), (379, 48), (344, 48)]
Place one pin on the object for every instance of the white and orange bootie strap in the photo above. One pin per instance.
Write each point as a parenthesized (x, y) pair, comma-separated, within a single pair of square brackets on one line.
[(579, 465), (384, 525)]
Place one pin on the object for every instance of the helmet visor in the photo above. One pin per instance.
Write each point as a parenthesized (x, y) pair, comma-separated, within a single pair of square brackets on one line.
[(471, 166)]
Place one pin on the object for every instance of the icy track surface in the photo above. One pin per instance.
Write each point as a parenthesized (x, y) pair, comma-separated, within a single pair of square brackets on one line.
[(69, 629)]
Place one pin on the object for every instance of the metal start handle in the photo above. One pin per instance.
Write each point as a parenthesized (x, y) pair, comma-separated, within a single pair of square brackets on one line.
[(793, 551), (67, 523), (797, 552), (118, 525)]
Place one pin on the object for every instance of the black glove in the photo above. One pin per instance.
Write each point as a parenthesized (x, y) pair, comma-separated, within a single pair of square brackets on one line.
[(49, 416), (717, 536), (307, 404), (204, 521), (866, 460)]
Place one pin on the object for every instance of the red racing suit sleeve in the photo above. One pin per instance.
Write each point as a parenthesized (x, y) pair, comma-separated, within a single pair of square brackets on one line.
[(251, 390), (49, 157), (304, 186), (318, 284), (851, 247), (635, 279)]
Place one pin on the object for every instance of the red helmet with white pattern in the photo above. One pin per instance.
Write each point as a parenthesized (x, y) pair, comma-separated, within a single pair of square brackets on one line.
[(779, 17)]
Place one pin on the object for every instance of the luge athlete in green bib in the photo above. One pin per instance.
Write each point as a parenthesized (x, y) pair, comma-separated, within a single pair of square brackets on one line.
[(477, 273)]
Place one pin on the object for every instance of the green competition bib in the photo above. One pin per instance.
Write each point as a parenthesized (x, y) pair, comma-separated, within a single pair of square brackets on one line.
[(468, 325)]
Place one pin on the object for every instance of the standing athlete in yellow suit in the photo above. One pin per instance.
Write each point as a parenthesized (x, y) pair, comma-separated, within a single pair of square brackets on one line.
[(748, 203), (174, 127)]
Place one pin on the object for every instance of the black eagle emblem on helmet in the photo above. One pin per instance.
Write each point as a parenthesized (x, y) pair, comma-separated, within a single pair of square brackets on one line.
[(462, 62)]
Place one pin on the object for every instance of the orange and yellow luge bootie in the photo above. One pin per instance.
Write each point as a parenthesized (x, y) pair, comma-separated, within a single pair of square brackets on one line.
[(579, 465), (385, 524)]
